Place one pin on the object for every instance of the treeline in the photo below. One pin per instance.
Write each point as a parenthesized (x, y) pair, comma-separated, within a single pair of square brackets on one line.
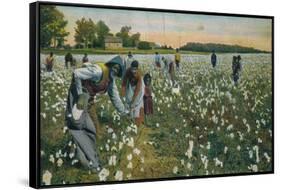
[(223, 48), (88, 34)]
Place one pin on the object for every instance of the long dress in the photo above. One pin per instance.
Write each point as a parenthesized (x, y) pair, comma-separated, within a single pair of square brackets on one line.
[(148, 103), (82, 130), (134, 93), (92, 79)]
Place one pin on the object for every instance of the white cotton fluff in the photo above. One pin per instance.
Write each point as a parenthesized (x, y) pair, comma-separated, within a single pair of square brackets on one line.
[(182, 161), (119, 175), (136, 151), (129, 157), (59, 162), (229, 127), (208, 146), (175, 170), (251, 154), (225, 149), (114, 136), (64, 129), (130, 142), (47, 177), (76, 113), (267, 157), (188, 165), (107, 147), (104, 173), (256, 148), (109, 130), (71, 155), (254, 168), (204, 160), (52, 158), (129, 176), (112, 160), (130, 165), (120, 145), (74, 161), (113, 148), (189, 150), (218, 162)]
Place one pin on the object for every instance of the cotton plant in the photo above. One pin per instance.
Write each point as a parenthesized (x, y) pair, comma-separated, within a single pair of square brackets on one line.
[(203, 104)]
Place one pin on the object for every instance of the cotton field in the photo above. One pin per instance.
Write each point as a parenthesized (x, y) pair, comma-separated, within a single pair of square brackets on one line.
[(203, 125)]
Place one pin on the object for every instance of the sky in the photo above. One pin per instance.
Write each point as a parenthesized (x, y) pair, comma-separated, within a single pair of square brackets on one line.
[(177, 29)]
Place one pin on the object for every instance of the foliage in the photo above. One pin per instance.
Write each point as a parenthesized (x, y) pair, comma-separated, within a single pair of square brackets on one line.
[(52, 27), (102, 32), (128, 41), (209, 47), (144, 45), (85, 32)]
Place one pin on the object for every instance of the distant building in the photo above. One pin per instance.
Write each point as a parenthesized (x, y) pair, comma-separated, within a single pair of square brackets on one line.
[(111, 42)]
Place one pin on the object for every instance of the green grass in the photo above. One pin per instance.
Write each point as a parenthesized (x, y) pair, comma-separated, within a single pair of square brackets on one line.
[(116, 51)]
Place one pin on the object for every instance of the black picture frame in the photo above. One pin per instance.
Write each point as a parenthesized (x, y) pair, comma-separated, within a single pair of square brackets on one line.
[(34, 91)]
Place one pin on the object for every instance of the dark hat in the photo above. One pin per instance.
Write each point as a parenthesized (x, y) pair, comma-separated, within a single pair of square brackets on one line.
[(135, 63)]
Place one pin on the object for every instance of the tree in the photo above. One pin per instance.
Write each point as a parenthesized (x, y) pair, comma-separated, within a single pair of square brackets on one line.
[(102, 32), (128, 41), (52, 26), (85, 32), (124, 35), (144, 45), (135, 39), (209, 47)]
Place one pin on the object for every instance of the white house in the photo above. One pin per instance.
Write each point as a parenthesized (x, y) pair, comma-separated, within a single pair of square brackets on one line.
[(111, 42)]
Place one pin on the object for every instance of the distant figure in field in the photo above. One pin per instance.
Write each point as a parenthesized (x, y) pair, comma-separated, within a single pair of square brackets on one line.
[(236, 68), (68, 59), (214, 59), (129, 59), (157, 60), (85, 58), (73, 63), (50, 62), (170, 68), (177, 59), (147, 98), (133, 90)]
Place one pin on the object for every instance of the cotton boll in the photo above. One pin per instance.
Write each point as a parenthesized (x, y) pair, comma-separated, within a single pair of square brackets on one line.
[(119, 175), (59, 162), (52, 159), (267, 157), (103, 174), (47, 177), (129, 157), (189, 150), (136, 151), (175, 170), (130, 165)]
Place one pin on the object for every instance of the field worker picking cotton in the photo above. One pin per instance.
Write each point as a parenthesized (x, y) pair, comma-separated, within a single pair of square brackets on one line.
[(169, 69), (86, 83), (129, 59), (133, 90)]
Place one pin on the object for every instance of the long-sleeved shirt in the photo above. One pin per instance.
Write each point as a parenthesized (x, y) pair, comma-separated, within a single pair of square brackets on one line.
[(128, 61), (157, 58), (134, 81), (96, 74), (178, 57)]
